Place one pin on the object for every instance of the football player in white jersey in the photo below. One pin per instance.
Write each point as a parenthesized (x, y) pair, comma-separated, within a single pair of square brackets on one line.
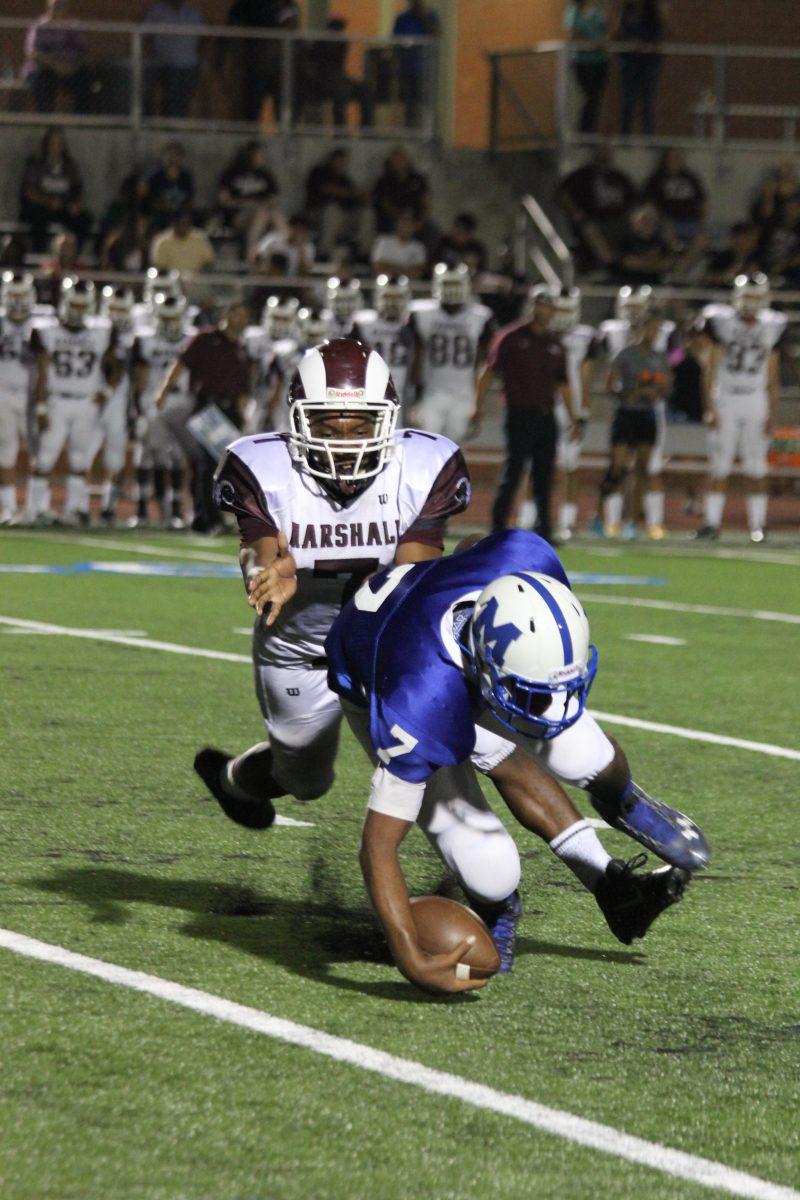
[(579, 345), (278, 324), (76, 371), (117, 305), (312, 326), (386, 328), (319, 510), (631, 309), (17, 311), (451, 334), (343, 299), (158, 456), (156, 283), (742, 395)]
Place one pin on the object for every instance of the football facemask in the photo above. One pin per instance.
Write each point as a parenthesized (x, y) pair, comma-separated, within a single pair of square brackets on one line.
[(528, 642), (116, 303), (76, 301), (750, 294), (451, 286), (392, 297), (342, 379), (17, 296)]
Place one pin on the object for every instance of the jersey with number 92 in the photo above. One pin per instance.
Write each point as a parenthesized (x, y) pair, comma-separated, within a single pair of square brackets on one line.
[(393, 649), (336, 545), (75, 367), (746, 347)]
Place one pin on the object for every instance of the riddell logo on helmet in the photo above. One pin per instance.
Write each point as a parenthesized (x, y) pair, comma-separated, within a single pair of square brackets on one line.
[(345, 393)]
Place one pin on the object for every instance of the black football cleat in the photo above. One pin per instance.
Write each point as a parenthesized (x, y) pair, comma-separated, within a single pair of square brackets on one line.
[(210, 765), (630, 899), (707, 533)]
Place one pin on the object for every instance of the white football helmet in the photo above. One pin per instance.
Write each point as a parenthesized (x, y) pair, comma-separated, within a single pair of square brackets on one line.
[(567, 305), (170, 316), (279, 317), (540, 293), (451, 286), (342, 378), (751, 294), (160, 283), (76, 301), (17, 296), (313, 325), (391, 297), (116, 303), (632, 304), (528, 641), (343, 299)]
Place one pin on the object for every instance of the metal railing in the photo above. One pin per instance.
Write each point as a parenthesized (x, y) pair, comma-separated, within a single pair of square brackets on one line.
[(740, 90), (232, 79), (539, 243)]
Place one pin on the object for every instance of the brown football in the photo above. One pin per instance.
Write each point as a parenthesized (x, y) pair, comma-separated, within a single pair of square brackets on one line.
[(441, 924)]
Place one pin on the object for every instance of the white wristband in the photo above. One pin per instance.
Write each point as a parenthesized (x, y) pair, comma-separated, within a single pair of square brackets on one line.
[(462, 971)]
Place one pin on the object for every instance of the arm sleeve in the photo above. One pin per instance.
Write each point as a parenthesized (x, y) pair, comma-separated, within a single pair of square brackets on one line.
[(450, 494), (236, 490)]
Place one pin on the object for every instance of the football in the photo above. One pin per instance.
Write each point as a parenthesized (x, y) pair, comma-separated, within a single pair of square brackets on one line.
[(441, 924)]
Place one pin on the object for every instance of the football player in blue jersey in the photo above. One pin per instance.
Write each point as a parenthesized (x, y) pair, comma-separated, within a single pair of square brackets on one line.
[(484, 657)]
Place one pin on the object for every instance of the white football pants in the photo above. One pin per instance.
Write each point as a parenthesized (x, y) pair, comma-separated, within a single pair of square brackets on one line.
[(74, 424), (13, 426), (440, 412)]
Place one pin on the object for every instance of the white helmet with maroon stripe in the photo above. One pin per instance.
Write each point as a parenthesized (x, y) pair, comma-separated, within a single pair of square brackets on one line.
[(342, 413)]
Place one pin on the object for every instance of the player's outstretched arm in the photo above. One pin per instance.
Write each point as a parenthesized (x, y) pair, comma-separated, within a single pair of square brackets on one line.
[(270, 574), (380, 840)]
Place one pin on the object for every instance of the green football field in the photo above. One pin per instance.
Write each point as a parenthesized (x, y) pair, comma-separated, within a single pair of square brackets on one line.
[(687, 1041)]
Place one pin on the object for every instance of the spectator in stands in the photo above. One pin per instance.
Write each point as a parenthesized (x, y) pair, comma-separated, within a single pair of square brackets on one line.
[(125, 246), (248, 196), (55, 60), (737, 258), (182, 247), (780, 187), (64, 260), (13, 251), (461, 245), (335, 204), (52, 191), (172, 67), (587, 21), (414, 62), (598, 198), (399, 187), (680, 198), (322, 75), (644, 22), (169, 187), (647, 253), (260, 57), (295, 245), (778, 251), (400, 253)]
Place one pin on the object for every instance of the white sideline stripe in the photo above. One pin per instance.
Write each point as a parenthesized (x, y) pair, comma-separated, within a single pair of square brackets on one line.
[(135, 547), (696, 735), (656, 639), (605, 1138), (708, 610), (137, 633)]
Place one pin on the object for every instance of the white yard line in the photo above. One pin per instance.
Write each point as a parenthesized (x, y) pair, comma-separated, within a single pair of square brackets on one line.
[(675, 1163), (134, 547), (696, 735), (655, 639), (708, 610), (117, 633)]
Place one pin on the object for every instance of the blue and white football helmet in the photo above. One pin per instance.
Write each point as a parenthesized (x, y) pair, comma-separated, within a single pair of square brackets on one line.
[(528, 640)]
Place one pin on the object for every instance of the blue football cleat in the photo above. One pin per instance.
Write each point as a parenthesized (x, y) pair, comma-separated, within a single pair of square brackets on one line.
[(666, 832), (502, 920)]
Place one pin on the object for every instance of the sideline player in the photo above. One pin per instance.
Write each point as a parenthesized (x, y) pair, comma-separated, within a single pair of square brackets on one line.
[(17, 312), (117, 305), (451, 334), (494, 638), (343, 299), (76, 369), (742, 396), (639, 376), (386, 328), (579, 342), (319, 509)]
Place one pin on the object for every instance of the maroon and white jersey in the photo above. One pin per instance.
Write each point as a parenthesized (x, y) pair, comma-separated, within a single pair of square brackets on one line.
[(15, 357), (449, 345), (76, 357), (392, 339), (336, 543)]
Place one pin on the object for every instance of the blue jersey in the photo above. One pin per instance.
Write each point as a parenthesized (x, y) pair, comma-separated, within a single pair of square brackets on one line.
[(393, 649)]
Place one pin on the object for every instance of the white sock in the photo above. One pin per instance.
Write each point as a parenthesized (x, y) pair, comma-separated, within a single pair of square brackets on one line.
[(654, 509), (77, 499), (713, 508), (580, 849), (38, 494), (568, 515), (106, 492), (756, 505), (8, 498), (612, 508), (527, 515)]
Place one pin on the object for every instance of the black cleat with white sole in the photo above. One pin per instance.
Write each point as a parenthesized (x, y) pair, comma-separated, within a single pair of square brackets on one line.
[(630, 899), (210, 765)]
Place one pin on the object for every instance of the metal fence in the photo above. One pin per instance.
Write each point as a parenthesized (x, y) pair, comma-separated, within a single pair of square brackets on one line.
[(147, 76), (731, 97)]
